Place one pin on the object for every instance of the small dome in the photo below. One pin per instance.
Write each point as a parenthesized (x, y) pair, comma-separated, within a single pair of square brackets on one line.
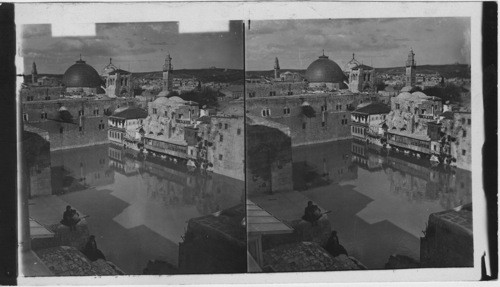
[(324, 70), (404, 95), (81, 75)]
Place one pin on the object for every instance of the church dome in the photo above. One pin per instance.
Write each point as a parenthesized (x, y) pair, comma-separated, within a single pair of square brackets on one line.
[(324, 70), (81, 75)]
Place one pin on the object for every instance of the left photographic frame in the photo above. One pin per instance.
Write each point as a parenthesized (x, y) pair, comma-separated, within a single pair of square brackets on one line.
[(132, 149)]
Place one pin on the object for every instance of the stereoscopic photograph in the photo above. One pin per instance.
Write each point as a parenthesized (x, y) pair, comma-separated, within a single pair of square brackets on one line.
[(134, 144), (201, 142)]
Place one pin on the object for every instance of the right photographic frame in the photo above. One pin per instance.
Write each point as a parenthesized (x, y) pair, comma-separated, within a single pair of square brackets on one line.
[(359, 144)]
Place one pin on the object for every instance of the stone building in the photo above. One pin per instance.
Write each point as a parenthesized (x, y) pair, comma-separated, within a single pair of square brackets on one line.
[(461, 148), (165, 124), (228, 149), (125, 127), (312, 118), (368, 122), (362, 79), (276, 88)]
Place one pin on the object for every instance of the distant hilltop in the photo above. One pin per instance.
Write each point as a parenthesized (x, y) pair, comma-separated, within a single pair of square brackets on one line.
[(220, 75), (447, 71), (212, 74)]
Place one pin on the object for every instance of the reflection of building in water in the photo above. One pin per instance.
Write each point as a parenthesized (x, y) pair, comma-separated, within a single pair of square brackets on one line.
[(122, 162), (36, 150), (172, 184), (418, 182), (323, 164), (80, 168), (364, 158)]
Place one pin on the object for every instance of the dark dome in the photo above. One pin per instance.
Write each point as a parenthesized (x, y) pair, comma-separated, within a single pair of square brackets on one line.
[(81, 75), (324, 70)]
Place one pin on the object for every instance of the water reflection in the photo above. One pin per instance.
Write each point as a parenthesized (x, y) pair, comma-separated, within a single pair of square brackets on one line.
[(377, 198), (138, 207)]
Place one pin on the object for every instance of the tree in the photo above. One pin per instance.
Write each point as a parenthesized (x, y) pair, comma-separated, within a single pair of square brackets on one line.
[(204, 97), (449, 92)]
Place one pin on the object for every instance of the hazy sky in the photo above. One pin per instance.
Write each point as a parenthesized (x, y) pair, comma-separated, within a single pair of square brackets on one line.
[(376, 42), (138, 47)]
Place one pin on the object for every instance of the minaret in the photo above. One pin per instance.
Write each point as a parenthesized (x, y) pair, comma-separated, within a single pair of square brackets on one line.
[(34, 73), (167, 74), (276, 69), (411, 66)]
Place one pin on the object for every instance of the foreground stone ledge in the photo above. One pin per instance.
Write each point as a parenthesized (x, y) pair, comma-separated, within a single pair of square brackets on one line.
[(68, 261), (306, 256)]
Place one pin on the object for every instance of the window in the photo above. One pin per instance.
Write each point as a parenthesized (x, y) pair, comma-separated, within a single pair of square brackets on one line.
[(423, 111), (323, 108), (323, 123), (463, 121), (47, 98), (43, 115), (180, 116), (166, 114), (286, 111), (464, 134), (238, 132), (303, 125), (272, 93), (80, 128), (61, 130), (80, 112), (226, 126), (155, 111), (220, 125), (468, 121), (463, 152), (397, 106), (221, 138), (220, 157), (290, 93), (266, 112)]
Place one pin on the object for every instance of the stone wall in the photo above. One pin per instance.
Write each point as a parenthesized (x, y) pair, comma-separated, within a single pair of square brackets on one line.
[(461, 149), (448, 240), (259, 90), (326, 125), (86, 132), (41, 93), (215, 244), (228, 150), (34, 110)]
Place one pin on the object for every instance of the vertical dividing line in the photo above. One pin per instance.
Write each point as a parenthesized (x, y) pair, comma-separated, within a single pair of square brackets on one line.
[(243, 28)]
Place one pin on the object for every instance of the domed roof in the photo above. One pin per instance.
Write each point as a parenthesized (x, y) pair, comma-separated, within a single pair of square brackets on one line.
[(324, 70), (81, 75)]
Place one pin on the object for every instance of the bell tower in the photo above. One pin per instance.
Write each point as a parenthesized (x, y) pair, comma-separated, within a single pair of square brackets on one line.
[(34, 73), (411, 66), (276, 69), (167, 74)]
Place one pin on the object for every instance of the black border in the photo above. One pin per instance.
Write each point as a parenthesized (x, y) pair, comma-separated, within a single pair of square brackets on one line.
[(490, 152), (8, 149)]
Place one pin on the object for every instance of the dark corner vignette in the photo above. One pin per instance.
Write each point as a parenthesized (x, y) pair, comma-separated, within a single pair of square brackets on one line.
[(490, 152), (8, 209)]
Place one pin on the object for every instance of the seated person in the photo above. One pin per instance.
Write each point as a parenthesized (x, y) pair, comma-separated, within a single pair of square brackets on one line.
[(312, 213), (91, 251), (333, 245), (70, 218)]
